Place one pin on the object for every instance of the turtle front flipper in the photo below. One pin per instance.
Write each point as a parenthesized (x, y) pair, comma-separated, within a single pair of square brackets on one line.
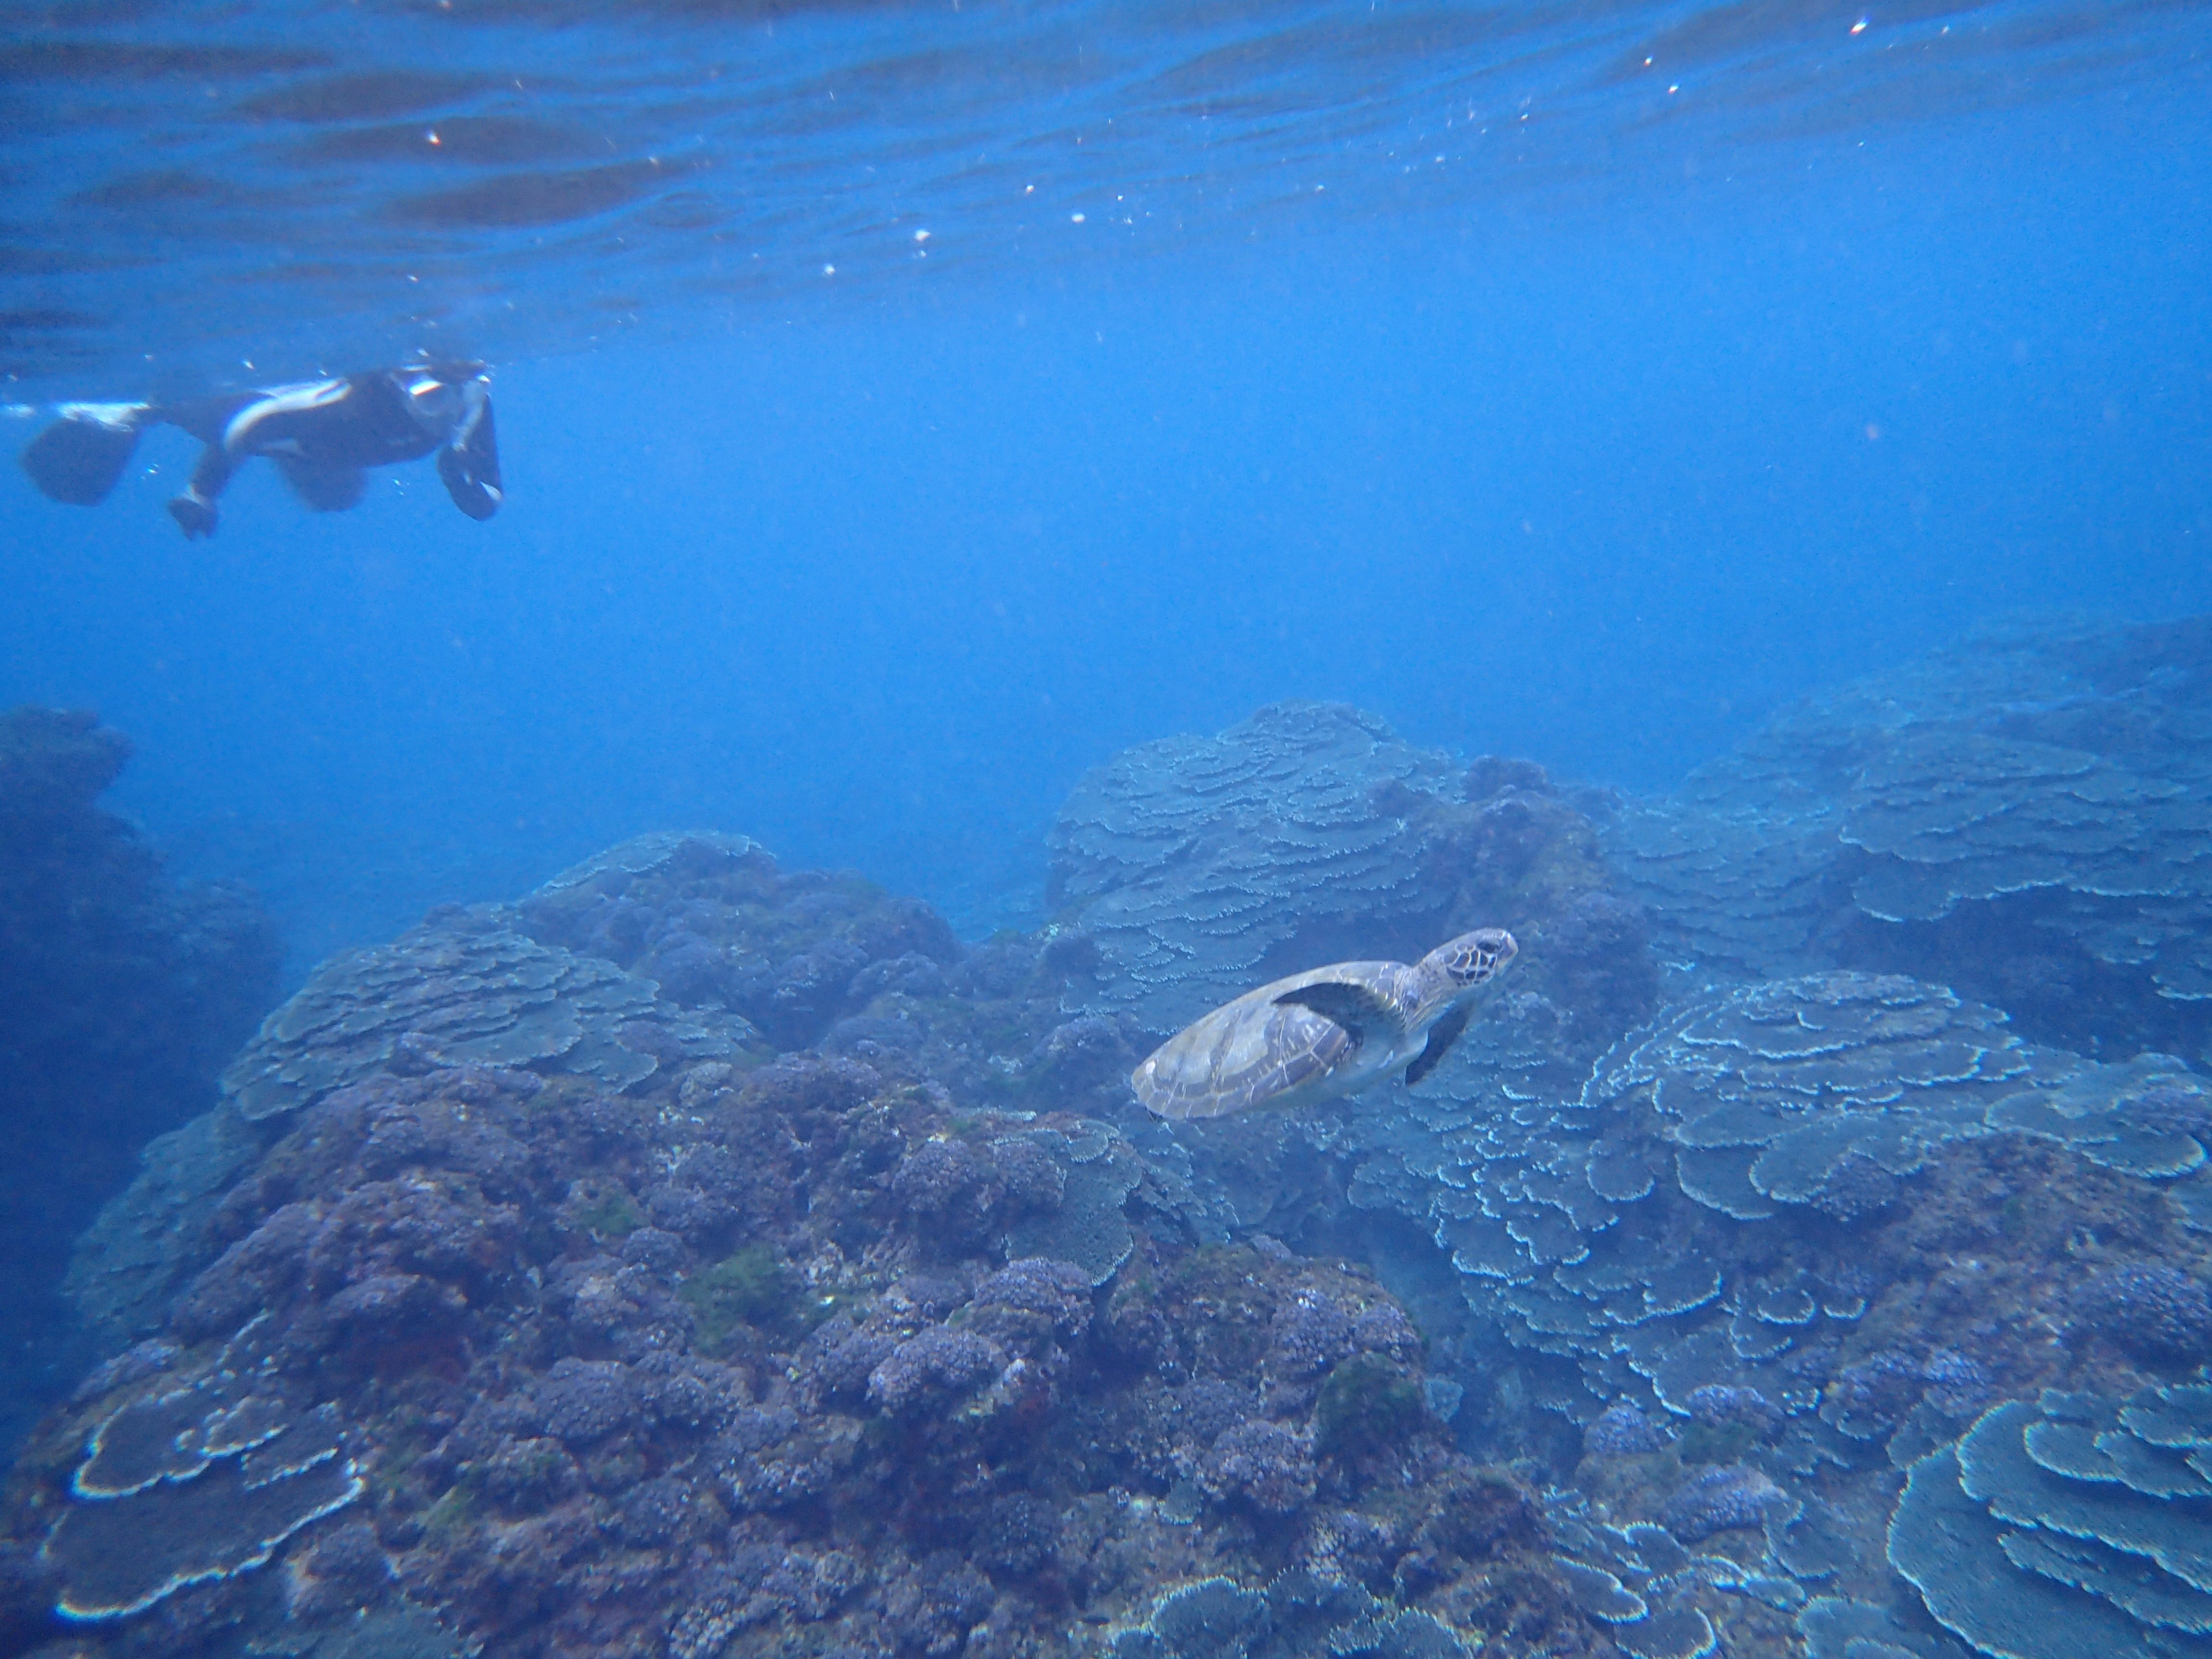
[(1357, 1008), (1441, 1035)]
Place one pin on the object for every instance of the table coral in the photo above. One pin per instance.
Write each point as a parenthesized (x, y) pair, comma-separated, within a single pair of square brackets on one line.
[(1197, 867), (2018, 815), (197, 1481), (467, 988), (2061, 1527)]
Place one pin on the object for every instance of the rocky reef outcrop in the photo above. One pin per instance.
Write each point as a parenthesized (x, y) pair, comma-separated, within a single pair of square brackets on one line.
[(121, 993), (746, 1363), (1187, 871), (700, 1258)]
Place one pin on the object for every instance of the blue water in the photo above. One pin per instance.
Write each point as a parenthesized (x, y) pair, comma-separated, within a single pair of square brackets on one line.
[(1452, 362)]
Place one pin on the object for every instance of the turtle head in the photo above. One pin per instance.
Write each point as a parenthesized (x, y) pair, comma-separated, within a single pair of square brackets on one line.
[(1475, 958)]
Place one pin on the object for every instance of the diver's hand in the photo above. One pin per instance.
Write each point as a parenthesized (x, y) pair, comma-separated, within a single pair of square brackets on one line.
[(195, 517)]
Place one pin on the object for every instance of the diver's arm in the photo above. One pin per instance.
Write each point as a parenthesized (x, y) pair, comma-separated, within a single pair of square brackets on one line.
[(469, 463)]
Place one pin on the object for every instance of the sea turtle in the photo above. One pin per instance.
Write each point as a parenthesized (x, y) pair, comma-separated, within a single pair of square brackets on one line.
[(1327, 1032)]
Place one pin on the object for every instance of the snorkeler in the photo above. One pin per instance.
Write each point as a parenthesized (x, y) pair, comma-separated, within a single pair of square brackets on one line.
[(321, 435)]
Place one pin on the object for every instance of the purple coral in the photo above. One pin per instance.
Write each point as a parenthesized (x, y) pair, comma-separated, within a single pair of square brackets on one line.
[(913, 974), (1622, 1431), (2151, 1310), (933, 1608), (1036, 1292), (1724, 1406), (938, 1362), (1874, 1394), (652, 1510), (1263, 1464), (945, 1189), (1384, 1328), (1719, 1500), (1958, 1385), (843, 1356), (1310, 1332), (1019, 1534), (1032, 1179), (582, 1401)]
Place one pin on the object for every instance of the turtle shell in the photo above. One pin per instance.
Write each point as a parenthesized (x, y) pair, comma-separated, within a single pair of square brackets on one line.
[(1269, 1049)]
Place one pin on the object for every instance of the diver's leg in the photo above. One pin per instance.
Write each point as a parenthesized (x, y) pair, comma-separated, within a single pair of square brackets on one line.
[(470, 464), (194, 510)]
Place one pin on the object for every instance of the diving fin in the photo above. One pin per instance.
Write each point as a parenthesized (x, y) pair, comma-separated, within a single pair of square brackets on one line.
[(78, 458)]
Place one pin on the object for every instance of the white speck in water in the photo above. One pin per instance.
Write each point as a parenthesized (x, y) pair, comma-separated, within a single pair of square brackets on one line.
[(828, 271), (1075, 218)]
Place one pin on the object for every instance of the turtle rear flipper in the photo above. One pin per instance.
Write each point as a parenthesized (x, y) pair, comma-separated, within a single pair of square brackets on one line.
[(1441, 1035), (1357, 1008), (78, 458)]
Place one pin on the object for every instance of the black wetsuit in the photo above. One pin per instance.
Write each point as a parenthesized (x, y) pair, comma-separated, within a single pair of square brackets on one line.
[(321, 435)]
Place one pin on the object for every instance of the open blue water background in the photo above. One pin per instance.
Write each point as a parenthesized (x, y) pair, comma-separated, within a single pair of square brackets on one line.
[(1452, 361)]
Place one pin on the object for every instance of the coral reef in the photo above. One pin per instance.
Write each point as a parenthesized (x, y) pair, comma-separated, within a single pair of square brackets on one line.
[(754, 1362), (706, 1258), (2065, 1526), (466, 986), (1773, 1091), (1193, 868), (1807, 1222), (121, 993), (716, 924), (2018, 816), (1296, 1615), (196, 1482)]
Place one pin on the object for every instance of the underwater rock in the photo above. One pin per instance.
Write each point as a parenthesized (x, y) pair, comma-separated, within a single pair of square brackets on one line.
[(121, 992)]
